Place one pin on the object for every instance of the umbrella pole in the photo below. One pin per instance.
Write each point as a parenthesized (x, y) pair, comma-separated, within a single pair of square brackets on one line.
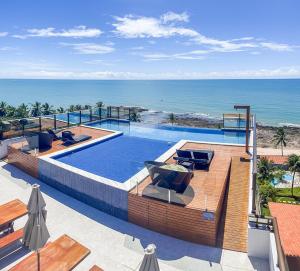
[(38, 260)]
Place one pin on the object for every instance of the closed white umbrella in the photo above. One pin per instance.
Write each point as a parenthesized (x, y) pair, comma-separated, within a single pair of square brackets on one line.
[(35, 231), (149, 262)]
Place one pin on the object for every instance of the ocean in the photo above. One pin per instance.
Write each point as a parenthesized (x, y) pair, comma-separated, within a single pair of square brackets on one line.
[(274, 101)]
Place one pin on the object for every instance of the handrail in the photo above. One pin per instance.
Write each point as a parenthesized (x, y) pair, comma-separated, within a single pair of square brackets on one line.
[(261, 221), (18, 127)]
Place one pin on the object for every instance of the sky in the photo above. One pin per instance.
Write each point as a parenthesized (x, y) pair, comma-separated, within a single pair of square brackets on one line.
[(153, 39)]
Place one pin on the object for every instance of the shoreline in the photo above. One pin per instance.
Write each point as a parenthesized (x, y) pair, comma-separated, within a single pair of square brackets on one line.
[(265, 133)]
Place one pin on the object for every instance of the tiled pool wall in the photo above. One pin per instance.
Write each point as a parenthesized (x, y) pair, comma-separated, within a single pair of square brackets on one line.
[(106, 198)]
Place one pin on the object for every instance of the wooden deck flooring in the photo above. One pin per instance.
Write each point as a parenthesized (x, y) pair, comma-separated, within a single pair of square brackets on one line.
[(208, 186), (233, 230), (78, 130), (28, 161), (58, 144), (189, 222)]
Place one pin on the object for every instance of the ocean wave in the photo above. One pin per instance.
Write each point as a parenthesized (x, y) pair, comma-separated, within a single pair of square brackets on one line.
[(287, 124)]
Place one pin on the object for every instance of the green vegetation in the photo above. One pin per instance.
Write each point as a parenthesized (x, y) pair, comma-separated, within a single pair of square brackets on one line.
[(294, 166), (280, 138), (267, 192), (35, 109)]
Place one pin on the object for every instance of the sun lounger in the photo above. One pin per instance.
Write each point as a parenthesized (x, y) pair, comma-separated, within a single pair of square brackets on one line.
[(11, 238), (53, 134), (63, 254), (9, 212), (201, 158), (70, 139), (168, 178)]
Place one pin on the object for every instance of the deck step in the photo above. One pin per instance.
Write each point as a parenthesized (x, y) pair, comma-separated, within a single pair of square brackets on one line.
[(233, 232)]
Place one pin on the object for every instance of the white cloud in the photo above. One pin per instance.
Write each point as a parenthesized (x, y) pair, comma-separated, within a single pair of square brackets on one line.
[(165, 26), (280, 47), (138, 48), (22, 37), (192, 55), (89, 48), (287, 72), (3, 34), (7, 48), (80, 31), (172, 16), (149, 27)]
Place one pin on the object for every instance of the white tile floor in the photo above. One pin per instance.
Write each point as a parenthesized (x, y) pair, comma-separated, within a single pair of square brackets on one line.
[(114, 244)]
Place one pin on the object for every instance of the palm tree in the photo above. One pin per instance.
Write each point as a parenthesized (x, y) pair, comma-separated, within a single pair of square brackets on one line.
[(77, 107), (22, 111), (47, 109), (3, 106), (293, 164), (280, 138), (72, 108), (36, 109), (265, 169), (10, 111), (172, 118), (60, 110), (99, 104), (87, 106)]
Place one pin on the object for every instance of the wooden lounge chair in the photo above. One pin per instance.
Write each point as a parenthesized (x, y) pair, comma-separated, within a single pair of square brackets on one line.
[(63, 254), (70, 139), (11, 238), (9, 212)]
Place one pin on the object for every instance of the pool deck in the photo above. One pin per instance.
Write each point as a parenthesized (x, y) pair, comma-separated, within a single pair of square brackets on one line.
[(28, 161), (189, 222), (115, 244), (58, 144)]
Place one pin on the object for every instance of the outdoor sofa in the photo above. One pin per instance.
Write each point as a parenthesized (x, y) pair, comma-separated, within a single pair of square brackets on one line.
[(200, 158)]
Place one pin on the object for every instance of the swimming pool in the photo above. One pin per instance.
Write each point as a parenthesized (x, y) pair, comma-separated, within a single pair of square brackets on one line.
[(118, 158), (172, 133), (287, 178), (74, 117)]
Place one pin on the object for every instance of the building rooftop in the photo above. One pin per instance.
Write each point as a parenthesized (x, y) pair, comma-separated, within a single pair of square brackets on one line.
[(208, 186), (288, 220), (277, 159), (115, 244)]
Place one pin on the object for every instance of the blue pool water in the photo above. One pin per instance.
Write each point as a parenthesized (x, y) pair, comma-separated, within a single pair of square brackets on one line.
[(172, 133), (286, 178), (73, 117), (118, 158)]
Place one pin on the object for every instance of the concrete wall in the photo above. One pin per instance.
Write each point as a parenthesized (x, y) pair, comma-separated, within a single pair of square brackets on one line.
[(104, 197), (5, 143), (258, 243), (273, 253)]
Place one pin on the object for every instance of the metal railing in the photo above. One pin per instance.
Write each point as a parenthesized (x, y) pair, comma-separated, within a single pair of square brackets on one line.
[(18, 127), (270, 223)]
